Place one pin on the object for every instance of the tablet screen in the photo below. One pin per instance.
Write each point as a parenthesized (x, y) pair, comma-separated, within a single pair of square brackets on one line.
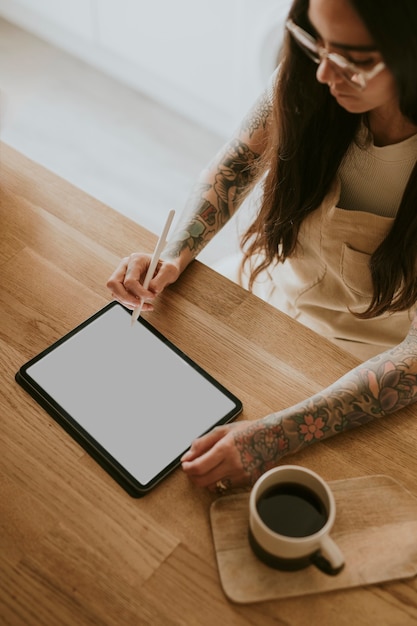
[(131, 391)]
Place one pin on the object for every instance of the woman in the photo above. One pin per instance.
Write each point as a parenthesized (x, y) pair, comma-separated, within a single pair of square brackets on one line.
[(334, 242)]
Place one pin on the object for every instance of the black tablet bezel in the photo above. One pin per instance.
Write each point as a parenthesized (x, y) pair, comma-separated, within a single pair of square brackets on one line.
[(79, 434)]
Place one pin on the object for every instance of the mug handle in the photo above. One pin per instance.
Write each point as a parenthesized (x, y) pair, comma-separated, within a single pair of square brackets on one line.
[(329, 559)]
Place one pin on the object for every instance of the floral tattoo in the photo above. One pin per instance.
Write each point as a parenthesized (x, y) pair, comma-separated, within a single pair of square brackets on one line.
[(375, 389), (260, 447)]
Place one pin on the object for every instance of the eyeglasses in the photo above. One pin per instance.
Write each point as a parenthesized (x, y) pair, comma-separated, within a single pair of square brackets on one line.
[(355, 76)]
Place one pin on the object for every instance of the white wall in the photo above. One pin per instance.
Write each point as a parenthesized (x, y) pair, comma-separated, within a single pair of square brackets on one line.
[(207, 59), (72, 15)]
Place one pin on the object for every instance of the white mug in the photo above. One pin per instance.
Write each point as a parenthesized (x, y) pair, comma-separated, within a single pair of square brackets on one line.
[(291, 513)]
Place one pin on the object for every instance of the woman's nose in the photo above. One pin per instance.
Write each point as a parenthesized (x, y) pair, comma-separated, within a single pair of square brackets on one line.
[(326, 73)]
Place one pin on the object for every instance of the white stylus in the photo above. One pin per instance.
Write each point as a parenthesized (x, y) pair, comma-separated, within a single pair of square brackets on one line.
[(154, 262)]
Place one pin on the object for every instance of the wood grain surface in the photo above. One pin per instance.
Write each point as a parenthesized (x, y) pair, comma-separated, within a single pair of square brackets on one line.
[(75, 549)]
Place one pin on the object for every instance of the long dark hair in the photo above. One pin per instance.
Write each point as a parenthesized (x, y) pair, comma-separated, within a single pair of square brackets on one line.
[(310, 135)]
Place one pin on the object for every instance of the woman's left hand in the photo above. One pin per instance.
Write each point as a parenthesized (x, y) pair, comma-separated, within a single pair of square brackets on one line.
[(231, 456)]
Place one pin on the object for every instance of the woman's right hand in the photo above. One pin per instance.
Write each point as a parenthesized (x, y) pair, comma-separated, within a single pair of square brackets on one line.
[(126, 282)]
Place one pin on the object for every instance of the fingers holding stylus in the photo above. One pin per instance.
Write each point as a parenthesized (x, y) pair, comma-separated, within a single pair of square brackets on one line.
[(135, 276), (126, 282)]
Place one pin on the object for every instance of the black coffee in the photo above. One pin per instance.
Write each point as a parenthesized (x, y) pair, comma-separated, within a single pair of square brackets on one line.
[(292, 510)]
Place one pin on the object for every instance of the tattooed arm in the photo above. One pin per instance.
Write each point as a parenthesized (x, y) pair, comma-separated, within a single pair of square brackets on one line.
[(239, 453), (223, 186), (219, 192)]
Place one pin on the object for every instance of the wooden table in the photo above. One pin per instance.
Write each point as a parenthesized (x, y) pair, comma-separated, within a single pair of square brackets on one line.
[(74, 547)]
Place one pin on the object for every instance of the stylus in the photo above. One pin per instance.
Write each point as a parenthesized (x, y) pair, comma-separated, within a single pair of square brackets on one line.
[(154, 262)]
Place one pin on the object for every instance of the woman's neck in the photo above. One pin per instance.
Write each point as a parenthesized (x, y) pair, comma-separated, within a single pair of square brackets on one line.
[(390, 127)]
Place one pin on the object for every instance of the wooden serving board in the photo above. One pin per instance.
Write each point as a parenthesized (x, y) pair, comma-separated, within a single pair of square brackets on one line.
[(376, 529)]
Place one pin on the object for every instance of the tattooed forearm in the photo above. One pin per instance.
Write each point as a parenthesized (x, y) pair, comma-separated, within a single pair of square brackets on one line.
[(375, 389), (212, 203), (195, 233), (223, 187), (260, 447), (234, 177)]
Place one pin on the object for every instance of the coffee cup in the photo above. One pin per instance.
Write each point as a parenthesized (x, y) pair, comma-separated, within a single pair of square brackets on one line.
[(291, 513)]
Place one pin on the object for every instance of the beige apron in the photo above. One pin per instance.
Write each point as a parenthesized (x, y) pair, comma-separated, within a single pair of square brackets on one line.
[(329, 276)]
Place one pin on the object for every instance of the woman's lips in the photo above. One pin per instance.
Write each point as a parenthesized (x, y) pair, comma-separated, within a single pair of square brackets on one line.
[(340, 95)]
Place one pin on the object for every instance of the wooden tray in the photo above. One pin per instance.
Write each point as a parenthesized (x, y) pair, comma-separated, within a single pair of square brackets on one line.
[(376, 529)]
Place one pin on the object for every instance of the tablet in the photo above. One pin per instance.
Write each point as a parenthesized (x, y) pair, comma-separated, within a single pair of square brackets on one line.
[(130, 397)]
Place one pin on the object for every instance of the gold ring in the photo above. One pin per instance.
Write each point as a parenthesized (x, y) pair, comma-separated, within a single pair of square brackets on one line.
[(222, 486)]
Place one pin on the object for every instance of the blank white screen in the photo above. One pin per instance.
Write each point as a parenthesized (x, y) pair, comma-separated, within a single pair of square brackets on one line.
[(132, 393)]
